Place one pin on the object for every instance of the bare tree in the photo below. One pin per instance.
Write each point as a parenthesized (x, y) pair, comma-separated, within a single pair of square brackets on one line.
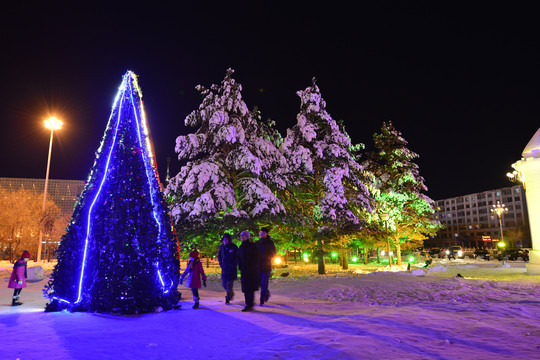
[(20, 220), (54, 234)]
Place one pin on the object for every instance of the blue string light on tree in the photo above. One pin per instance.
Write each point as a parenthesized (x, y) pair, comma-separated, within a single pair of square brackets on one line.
[(119, 253)]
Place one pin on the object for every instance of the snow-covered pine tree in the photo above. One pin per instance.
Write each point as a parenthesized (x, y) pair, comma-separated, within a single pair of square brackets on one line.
[(119, 253), (326, 191), (398, 190), (233, 168)]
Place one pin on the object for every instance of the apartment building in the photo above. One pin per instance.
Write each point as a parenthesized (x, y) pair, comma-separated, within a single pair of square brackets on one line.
[(469, 221)]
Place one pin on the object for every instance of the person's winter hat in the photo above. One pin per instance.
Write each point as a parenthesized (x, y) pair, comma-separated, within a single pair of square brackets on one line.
[(194, 254), (26, 255)]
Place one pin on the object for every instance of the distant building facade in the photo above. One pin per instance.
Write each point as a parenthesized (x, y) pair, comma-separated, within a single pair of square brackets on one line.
[(469, 222), (63, 192)]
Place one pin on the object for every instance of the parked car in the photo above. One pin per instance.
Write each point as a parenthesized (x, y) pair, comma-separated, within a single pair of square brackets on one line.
[(435, 252), (514, 254), (455, 252), (482, 254)]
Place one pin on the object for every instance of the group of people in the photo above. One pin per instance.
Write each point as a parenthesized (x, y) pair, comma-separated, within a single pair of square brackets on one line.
[(254, 260)]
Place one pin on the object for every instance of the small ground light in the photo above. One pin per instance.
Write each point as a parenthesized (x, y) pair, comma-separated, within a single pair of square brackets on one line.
[(277, 260), (354, 259), (334, 254), (501, 244), (306, 259), (411, 259)]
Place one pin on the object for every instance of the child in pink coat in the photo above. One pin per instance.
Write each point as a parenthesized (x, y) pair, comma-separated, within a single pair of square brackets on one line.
[(194, 271), (17, 281)]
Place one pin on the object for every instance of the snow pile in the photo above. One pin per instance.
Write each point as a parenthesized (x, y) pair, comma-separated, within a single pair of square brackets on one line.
[(425, 291)]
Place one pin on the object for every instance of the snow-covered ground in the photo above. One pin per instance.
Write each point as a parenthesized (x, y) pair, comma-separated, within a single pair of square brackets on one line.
[(493, 312)]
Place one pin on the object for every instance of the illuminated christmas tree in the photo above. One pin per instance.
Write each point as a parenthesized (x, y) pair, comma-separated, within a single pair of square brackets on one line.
[(119, 253)]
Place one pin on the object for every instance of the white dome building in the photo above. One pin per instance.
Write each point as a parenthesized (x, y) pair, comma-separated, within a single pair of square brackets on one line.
[(529, 171)]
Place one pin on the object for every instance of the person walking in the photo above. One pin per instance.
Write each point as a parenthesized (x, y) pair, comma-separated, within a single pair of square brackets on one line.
[(228, 260), (17, 280), (193, 273), (248, 263), (267, 251)]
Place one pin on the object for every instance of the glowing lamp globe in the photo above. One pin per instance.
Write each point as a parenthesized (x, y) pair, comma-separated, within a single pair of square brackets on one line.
[(53, 123)]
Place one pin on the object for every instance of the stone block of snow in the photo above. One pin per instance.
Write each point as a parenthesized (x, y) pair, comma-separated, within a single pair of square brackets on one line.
[(35, 273)]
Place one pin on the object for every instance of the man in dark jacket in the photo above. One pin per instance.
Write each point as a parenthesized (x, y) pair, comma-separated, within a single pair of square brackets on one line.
[(228, 260), (248, 263), (267, 251)]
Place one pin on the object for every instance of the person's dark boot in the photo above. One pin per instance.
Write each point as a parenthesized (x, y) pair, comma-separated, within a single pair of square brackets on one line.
[(196, 305), (227, 300), (15, 301)]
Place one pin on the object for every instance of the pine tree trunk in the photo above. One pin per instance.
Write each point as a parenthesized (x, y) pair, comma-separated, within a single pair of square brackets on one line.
[(320, 255), (345, 260), (398, 253)]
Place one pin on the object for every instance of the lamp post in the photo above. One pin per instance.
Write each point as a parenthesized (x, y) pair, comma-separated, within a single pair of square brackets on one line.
[(52, 124), (385, 216), (500, 209)]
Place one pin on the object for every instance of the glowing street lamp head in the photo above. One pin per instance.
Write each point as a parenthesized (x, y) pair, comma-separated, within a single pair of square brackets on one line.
[(499, 209), (53, 123)]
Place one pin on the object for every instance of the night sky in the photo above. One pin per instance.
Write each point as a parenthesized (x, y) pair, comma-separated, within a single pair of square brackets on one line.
[(459, 80)]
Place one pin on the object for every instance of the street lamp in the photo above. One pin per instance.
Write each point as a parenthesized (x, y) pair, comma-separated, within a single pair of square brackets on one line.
[(500, 209), (384, 217), (52, 124)]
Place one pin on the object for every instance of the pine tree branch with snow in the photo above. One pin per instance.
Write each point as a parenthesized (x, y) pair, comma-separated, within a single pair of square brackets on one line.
[(323, 171), (234, 169)]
